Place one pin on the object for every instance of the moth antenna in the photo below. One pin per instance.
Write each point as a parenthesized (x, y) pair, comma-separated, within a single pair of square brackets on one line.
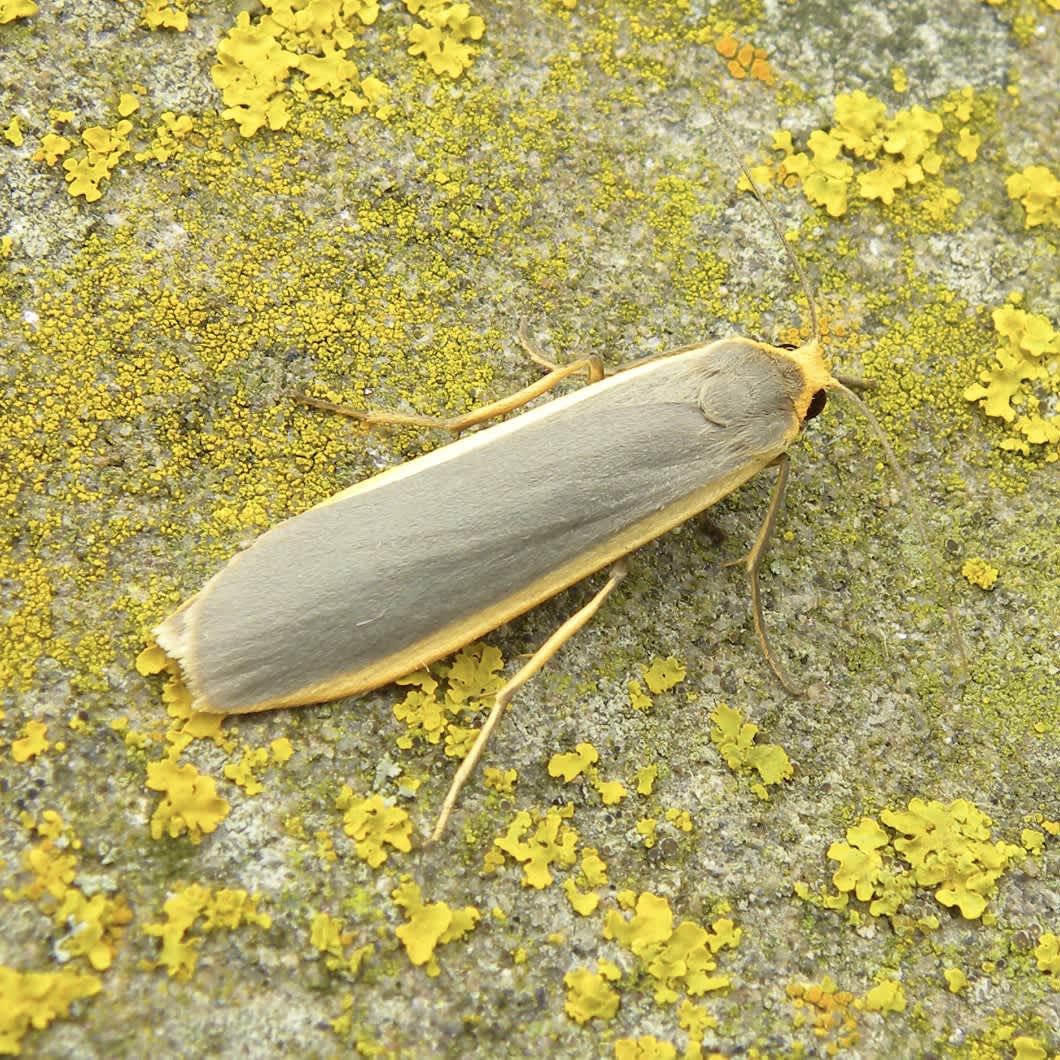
[(918, 520), (841, 384), (793, 258)]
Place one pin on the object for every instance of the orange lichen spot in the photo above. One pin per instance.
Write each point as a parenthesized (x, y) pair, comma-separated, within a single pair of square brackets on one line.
[(1023, 384), (36, 999), (736, 739), (886, 996), (551, 842), (34, 741), (191, 804), (429, 925), (977, 571), (571, 765), (744, 60), (646, 1047), (1037, 189), (442, 40), (944, 847), (166, 14), (679, 958), (831, 1015), (646, 777), (373, 826), (224, 909), (589, 995), (12, 9)]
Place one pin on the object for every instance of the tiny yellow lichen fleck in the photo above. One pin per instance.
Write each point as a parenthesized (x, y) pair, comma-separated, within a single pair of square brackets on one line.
[(373, 826), (956, 980), (979, 572), (429, 925), (588, 994), (34, 741)]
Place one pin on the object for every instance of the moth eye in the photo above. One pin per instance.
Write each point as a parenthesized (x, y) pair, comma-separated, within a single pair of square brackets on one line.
[(817, 404)]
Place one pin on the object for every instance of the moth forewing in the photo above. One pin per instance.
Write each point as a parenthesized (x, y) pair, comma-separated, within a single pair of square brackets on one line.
[(417, 561)]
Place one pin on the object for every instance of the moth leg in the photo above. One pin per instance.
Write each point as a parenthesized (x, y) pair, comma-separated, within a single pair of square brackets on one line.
[(753, 563), (591, 366), (532, 666)]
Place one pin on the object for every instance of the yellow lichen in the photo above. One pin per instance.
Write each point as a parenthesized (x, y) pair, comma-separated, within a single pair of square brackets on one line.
[(944, 847), (166, 14), (32, 742), (886, 996), (646, 777), (1024, 381), (571, 765), (441, 40), (429, 925), (373, 826), (440, 698), (956, 980), (679, 959), (224, 909), (736, 739), (589, 995), (551, 842), (1047, 954), (979, 572), (1037, 189), (12, 9), (663, 674), (191, 804), (36, 999), (646, 1047)]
